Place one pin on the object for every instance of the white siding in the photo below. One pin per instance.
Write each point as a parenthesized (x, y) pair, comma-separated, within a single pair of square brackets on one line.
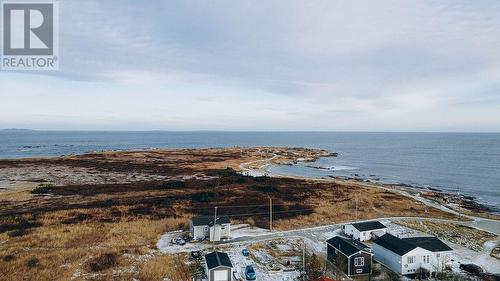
[(417, 256), (387, 258), (202, 232), (222, 231), (363, 235), (401, 264), (225, 230), (199, 232), (350, 230), (220, 275), (439, 260)]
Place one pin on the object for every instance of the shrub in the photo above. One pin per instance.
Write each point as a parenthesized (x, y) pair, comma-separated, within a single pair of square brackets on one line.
[(172, 184), (102, 262), (241, 179), (42, 188), (261, 179), (264, 188), (203, 196), (76, 218), (8, 258), (228, 172), (32, 262), (18, 232)]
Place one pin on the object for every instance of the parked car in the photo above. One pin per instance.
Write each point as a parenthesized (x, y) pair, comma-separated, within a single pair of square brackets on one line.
[(250, 273), (471, 268), (178, 241), (245, 252), (490, 276)]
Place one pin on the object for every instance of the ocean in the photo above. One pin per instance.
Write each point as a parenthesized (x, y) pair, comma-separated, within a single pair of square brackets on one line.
[(465, 162)]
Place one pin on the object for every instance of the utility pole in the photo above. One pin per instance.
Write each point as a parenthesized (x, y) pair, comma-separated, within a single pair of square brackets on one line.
[(215, 226), (271, 214)]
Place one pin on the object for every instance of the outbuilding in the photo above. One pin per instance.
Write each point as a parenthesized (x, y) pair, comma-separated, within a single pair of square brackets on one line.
[(218, 267), (202, 228), (411, 255), (364, 231), (350, 257)]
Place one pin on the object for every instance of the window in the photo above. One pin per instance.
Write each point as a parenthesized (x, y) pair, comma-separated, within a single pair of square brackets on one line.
[(359, 270), (426, 259), (410, 259), (359, 261), (206, 228)]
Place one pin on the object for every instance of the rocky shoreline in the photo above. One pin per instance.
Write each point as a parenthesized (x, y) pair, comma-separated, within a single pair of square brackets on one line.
[(457, 202)]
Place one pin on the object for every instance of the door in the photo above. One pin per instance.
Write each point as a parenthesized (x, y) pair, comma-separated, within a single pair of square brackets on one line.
[(220, 275)]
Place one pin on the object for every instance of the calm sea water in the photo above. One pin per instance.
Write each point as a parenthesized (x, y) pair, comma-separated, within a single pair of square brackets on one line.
[(449, 161)]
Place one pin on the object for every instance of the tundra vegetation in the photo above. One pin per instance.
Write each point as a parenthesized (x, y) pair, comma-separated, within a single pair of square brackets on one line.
[(98, 216)]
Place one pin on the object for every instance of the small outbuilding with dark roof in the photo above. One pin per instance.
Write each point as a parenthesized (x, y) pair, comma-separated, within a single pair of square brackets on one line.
[(410, 255), (364, 231), (218, 267), (351, 257), (202, 228)]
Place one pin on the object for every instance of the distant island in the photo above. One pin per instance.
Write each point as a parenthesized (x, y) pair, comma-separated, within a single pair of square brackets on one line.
[(16, 130)]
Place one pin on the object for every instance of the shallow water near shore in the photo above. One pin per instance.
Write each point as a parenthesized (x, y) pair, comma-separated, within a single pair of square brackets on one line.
[(448, 161)]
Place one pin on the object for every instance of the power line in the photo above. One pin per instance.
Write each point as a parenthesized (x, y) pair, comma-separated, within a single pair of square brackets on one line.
[(266, 213), (247, 206)]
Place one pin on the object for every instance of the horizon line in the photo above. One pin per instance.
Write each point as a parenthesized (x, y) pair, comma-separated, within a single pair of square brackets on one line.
[(245, 131)]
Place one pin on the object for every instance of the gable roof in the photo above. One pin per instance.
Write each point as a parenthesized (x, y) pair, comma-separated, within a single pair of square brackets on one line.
[(394, 244), (208, 220), (369, 225), (216, 259), (432, 244), (347, 247)]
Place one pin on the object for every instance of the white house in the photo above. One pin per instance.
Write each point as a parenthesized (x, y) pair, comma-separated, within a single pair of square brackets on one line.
[(218, 267), (202, 228), (410, 255), (364, 231)]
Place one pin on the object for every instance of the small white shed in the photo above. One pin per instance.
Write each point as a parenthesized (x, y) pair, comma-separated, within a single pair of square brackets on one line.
[(202, 228), (218, 267), (364, 231)]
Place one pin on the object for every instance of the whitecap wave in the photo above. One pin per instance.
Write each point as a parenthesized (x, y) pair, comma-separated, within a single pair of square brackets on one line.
[(340, 168)]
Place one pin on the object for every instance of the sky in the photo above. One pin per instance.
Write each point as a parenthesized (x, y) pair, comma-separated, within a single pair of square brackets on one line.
[(377, 65)]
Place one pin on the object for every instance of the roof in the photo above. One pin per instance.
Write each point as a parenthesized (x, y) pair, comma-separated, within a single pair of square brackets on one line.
[(216, 259), (403, 246), (432, 244), (369, 225), (208, 220), (347, 247), (394, 244)]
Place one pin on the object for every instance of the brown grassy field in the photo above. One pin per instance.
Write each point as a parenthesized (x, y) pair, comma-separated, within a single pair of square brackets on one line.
[(463, 235), (102, 220)]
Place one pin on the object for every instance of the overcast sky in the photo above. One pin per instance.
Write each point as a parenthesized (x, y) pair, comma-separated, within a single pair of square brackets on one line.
[(266, 65)]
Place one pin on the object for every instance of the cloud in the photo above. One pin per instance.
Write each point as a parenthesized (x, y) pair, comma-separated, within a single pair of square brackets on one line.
[(373, 65)]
